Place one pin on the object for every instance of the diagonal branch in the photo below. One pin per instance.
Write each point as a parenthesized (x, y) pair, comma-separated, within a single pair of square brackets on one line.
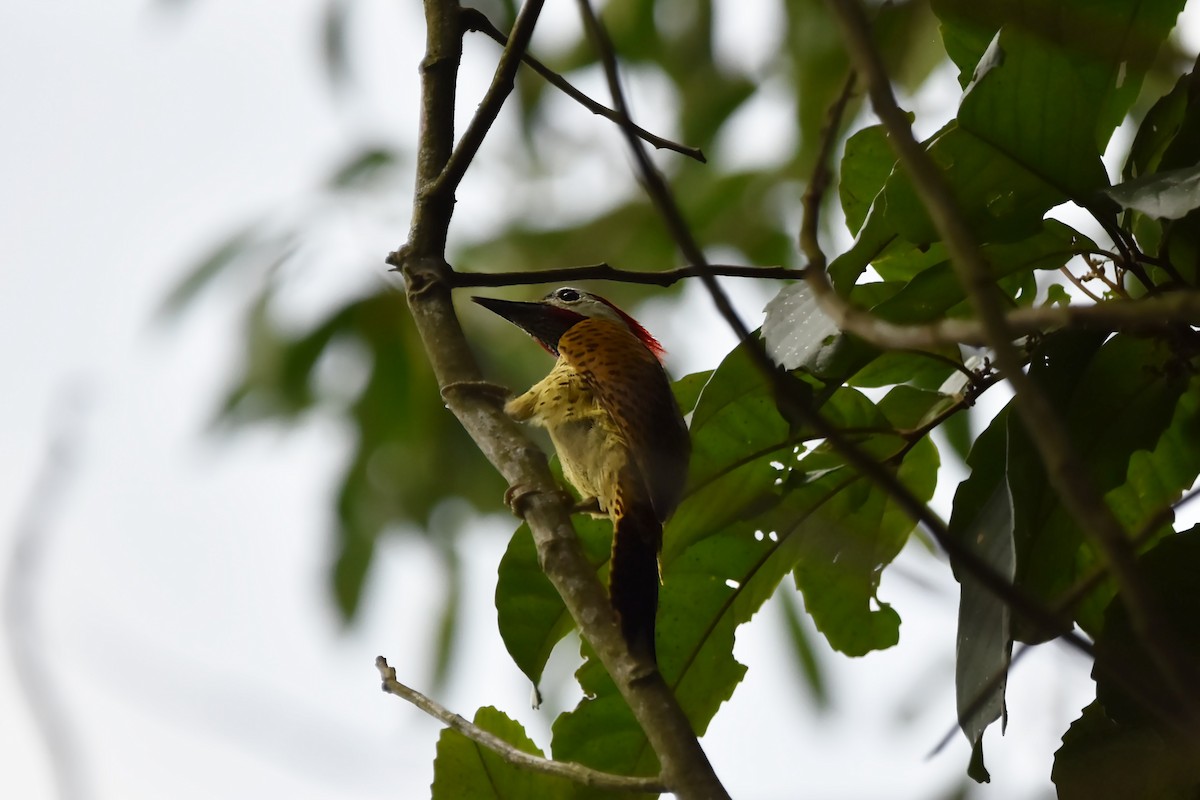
[(1149, 313), (428, 282), (577, 773), (606, 272), (1066, 471), (475, 20), (502, 85)]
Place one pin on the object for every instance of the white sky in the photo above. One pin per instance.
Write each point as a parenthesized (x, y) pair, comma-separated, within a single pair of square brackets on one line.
[(181, 601)]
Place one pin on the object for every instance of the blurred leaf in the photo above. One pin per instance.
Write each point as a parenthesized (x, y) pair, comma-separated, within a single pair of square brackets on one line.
[(464, 770), (243, 244), (803, 650), (334, 48), (363, 168)]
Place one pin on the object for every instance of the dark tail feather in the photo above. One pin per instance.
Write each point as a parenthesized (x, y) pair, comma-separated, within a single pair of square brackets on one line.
[(633, 578)]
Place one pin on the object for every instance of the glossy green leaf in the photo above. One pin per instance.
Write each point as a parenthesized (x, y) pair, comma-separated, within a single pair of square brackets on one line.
[(1110, 44), (983, 521), (867, 162), (1001, 197), (687, 389), (1161, 195), (530, 612), (464, 770), (1030, 100)]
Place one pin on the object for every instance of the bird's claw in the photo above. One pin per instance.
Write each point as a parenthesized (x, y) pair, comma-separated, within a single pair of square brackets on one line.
[(484, 388), (588, 505), (517, 495)]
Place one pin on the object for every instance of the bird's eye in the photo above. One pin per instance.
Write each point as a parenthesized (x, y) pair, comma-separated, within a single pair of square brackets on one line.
[(567, 295)]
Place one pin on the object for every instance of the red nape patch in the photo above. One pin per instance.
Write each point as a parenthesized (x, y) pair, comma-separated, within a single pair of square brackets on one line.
[(652, 344)]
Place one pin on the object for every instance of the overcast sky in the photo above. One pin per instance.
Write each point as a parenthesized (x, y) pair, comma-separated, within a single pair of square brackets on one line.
[(176, 602)]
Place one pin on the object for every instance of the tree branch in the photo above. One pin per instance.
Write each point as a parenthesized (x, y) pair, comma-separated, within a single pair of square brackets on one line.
[(1149, 313), (475, 20), (428, 281), (563, 769), (1064, 468), (489, 108), (606, 272)]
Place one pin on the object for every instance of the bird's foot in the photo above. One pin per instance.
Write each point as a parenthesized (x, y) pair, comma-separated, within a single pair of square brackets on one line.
[(517, 495), (492, 391), (589, 505)]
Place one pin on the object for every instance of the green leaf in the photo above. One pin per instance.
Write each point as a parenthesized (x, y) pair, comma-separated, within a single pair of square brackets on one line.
[(530, 612), (867, 162), (1100, 758), (758, 506), (982, 520), (363, 168), (1158, 130), (687, 389), (247, 243), (464, 770), (1162, 195), (1116, 397), (1001, 197), (1169, 570), (1110, 44), (804, 651), (795, 328), (1030, 100)]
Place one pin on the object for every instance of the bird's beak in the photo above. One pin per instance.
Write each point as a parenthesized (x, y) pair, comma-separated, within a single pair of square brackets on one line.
[(545, 323)]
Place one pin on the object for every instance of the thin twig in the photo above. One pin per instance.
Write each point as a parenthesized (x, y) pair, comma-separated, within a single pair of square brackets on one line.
[(606, 272), (1066, 271), (1064, 468), (489, 108), (475, 20), (570, 770)]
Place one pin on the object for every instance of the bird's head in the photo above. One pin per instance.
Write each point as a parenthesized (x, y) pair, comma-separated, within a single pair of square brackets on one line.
[(559, 311)]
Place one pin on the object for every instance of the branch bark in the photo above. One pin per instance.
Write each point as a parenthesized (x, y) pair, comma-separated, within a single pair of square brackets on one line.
[(428, 280)]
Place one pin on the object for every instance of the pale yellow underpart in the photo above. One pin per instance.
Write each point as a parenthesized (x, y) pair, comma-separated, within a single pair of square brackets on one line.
[(590, 447)]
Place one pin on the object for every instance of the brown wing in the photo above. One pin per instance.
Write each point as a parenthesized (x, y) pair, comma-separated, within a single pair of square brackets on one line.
[(630, 383)]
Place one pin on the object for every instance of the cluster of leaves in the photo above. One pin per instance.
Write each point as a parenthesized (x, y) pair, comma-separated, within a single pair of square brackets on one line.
[(1042, 95), (1044, 87)]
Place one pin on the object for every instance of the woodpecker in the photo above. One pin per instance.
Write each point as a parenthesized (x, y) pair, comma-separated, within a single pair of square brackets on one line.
[(618, 431)]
